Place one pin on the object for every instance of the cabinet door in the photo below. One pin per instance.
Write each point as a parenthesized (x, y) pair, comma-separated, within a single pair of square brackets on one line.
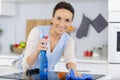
[(7, 8), (114, 71), (114, 5), (6, 61), (114, 16), (92, 68), (89, 68), (60, 66)]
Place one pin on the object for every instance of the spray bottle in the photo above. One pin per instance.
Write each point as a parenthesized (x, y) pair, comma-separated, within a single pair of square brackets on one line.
[(43, 63)]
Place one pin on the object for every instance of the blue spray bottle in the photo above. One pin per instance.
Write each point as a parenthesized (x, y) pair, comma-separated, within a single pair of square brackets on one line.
[(43, 63)]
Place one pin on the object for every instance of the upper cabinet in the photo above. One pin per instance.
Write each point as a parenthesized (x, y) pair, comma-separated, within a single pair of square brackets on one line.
[(7, 8), (114, 5), (114, 10)]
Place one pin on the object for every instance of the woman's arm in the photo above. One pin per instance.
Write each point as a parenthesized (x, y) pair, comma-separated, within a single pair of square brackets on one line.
[(31, 49), (32, 58), (69, 55)]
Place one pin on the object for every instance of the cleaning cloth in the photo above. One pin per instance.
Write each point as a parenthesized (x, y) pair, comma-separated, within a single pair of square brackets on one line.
[(71, 76)]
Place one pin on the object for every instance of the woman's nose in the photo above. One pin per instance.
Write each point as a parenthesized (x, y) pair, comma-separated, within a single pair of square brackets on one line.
[(62, 23)]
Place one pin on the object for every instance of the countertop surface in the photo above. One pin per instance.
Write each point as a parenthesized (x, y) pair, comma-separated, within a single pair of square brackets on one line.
[(8, 70), (89, 59), (11, 70), (5, 70), (8, 55), (80, 59)]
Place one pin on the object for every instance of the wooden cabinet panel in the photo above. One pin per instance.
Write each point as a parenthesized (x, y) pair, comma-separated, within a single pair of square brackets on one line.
[(33, 23)]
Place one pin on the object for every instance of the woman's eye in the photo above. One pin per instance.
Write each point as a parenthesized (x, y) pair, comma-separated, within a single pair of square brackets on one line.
[(58, 18), (67, 20)]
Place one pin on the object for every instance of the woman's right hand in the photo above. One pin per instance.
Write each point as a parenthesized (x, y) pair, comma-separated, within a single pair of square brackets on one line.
[(41, 44)]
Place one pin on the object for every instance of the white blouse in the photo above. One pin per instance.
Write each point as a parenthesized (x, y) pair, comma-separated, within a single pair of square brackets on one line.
[(32, 46)]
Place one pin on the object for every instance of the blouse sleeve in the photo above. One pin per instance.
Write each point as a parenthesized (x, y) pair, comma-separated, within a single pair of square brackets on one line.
[(69, 52), (31, 46)]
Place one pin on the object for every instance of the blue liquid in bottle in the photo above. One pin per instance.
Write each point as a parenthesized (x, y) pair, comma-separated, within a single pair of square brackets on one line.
[(43, 64)]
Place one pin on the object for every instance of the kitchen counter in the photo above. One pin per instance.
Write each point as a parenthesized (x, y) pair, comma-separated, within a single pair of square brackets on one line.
[(9, 70), (7, 58), (9, 55), (89, 60)]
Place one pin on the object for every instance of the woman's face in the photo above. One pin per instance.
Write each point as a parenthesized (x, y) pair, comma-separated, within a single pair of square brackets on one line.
[(62, 20)]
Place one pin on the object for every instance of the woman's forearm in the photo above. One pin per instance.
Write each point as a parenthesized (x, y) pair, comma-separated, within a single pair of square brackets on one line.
[(32, 58)]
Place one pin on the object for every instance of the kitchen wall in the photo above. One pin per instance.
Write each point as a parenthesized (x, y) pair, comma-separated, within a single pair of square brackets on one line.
[(15, 26)]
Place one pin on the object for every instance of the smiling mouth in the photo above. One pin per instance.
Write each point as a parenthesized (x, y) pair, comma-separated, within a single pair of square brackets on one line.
[(61, 28)]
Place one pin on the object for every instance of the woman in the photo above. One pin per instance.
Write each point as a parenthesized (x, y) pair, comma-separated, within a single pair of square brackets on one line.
[(59, 42)]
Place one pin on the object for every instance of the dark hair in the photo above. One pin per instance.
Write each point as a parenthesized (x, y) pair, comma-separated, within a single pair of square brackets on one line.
[(64, 5)]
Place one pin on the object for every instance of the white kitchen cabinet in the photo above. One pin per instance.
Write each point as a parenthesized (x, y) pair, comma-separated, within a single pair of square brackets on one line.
[(90, 66), (7, 8), (84, 65), (114, 16), (60, 66), (114, 5), (6, 60), (114, 71)]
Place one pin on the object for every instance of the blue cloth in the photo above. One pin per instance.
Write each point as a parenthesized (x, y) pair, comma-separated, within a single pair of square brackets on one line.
[(71, 76), (53, 57)]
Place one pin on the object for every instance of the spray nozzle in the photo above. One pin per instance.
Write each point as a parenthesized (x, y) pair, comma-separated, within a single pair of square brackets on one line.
[(45, 37)]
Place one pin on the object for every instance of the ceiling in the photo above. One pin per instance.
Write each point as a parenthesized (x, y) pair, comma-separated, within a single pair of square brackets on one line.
[(37, 0)]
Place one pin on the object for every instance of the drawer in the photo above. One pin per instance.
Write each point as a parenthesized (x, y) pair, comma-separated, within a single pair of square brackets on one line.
[(6, 61), (60, 66), (89, 68), (92, 68), (114, 70)]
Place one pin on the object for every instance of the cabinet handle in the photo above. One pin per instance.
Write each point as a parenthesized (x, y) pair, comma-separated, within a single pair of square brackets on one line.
[(83, 71)]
